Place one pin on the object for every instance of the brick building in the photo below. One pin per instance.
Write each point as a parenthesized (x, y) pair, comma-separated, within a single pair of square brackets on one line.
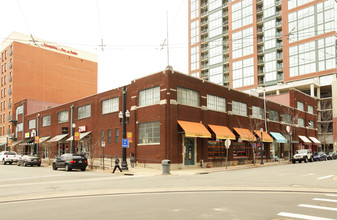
[(35, 69), (177, 117)]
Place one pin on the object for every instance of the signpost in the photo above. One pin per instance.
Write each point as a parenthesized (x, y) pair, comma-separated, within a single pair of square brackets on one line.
[(103, 146), (227, 144)]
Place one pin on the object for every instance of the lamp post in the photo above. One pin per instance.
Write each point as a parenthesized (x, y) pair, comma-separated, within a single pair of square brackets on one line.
[(37, 133), (261, 143), (288, 128), (124, 118), (73, 143)]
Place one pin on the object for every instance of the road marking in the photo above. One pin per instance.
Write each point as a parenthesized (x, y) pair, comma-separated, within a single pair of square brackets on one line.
[(318, 207), (325, 200), (31, 177), (300, 216), (325, 177), (335, 195), (309, 174)]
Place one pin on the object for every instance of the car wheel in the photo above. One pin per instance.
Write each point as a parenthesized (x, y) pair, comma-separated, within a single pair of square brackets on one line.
[(39, 165), (25, 164), (311, 160), (10, 163), (83, 169), (54, 166), (300, 161), (18, 164), (68, 168), (306, 160), (294, 161), (3, 162)]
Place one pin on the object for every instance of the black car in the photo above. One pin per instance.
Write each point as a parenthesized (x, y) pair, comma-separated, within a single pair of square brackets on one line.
[(332, 155), (71, 161), (30, 160), (320, 156)]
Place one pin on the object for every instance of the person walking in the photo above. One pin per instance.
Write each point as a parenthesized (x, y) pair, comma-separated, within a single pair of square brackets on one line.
[(117, 165), (132, 160)]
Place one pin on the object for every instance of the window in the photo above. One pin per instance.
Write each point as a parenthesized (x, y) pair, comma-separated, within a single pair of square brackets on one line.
[(300, 122), (300, 106), (19, 127), (239, 108), (102, 135), (310, 109), (63, 117), (188, 97), (257, 112), (116, 135), (32, 124), (149, 96), (110, 105), (273, 115), (311, 124), (243, 73), (216, 103), (46, 121), (109, 136), (149, 133), (84, 112), (287, 118), (195, 58)]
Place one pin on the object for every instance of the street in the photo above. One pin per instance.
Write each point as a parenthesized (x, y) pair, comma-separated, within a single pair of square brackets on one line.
[(290, 191)]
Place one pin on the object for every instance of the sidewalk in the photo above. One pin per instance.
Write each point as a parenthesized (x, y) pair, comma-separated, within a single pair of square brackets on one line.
[(139, 170)]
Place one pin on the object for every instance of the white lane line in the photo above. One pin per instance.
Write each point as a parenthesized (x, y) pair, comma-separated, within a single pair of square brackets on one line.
[(318, 207), (300, 216), (309, 174), (325, 177), (334, 195), (324, 200)]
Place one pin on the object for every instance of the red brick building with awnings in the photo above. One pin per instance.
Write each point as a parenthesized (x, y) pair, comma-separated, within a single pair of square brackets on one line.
[(173, 116)]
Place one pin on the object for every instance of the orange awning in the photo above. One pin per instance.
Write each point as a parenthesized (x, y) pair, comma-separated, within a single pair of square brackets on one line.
[(222, 132), (265, 136), (194, 129), (245, 134)]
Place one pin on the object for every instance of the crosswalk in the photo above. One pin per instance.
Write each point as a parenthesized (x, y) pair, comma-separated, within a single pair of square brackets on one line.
[(323, 207)]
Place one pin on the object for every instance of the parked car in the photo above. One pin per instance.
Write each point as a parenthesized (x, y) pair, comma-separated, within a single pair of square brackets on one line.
[(31, 160), (332, 155), (320, 156), (8, 157), (302, 155), (71, 161)]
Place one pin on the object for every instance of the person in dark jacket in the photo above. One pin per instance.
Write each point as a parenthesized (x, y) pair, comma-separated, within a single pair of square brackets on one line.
[(117, 165), (132, 160)]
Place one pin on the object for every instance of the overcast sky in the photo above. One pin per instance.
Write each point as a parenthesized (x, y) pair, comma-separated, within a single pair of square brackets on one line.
[(132, 32)]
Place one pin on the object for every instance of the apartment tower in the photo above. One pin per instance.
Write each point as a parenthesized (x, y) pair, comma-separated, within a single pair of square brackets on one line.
[(268, 47), (46, 72)]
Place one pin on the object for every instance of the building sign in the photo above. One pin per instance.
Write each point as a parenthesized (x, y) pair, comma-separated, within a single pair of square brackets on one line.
[(82, 128), (27, 135), (59, 49), (64, 130), (129, 136), (10, 141), (33, 133), (77, 136), (37, 139)]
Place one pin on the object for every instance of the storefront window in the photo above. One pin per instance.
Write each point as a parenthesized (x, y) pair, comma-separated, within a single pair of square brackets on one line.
[(240, 150), (216, 150), (149, 133)]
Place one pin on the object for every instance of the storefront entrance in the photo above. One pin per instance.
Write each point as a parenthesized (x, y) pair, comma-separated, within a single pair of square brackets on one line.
[(189, 144)]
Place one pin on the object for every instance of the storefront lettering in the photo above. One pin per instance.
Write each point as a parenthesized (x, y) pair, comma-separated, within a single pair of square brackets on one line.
[(59, 49)]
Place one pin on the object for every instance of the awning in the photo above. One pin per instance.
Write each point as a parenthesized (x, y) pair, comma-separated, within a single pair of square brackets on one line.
[(43, 139), (304, 139), (222, 132), (265, 136), (28, 141), (82, 135), (278, 137), (194, 129), (316, 142), (58, 138), (16, 143), (245, 134)]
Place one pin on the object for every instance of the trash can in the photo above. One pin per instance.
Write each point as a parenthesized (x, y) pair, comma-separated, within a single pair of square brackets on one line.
[(166, 167)]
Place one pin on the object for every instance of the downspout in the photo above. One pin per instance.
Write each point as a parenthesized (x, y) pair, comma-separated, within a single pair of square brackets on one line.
[(71, 127), (23, 124)]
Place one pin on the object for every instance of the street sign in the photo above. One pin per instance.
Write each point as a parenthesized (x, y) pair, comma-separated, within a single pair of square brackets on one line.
[(125, 143), (129, 136), (288, 128), (227, 143), (103, 143), (37, 139), (77, 136)]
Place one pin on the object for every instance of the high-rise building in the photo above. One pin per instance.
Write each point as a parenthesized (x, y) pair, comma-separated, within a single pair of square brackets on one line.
[(39, 70), (268, 46)]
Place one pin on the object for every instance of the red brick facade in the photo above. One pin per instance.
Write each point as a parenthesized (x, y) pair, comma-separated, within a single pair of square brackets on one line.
[(168, 111)]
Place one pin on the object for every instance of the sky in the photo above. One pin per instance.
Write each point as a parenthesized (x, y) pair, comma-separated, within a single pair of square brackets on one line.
[(133, 32)]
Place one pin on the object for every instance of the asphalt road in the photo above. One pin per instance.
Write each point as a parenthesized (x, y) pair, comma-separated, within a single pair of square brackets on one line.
[(292, 191)]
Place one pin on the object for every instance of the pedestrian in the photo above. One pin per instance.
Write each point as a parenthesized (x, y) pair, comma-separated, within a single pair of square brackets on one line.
[(117, 165), (132, 160)]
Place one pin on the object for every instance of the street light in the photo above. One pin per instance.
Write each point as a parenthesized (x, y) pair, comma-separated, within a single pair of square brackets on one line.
[(37, 133), (261, 143), (288, 128), (73, 144), (124, 118)]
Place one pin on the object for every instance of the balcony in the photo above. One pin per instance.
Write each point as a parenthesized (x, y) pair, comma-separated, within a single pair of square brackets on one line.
[(279, 34), (259, 20), (260, 40), (280, 67), (261, 72), (279, 45), (259, 10), (260, 30), (204, 5), (278, 14), (10, 65), (226, 50), (204, 23), (260, 61), (260, 50), (279, 56), (204, 49), (204, 13), (204, 67)]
